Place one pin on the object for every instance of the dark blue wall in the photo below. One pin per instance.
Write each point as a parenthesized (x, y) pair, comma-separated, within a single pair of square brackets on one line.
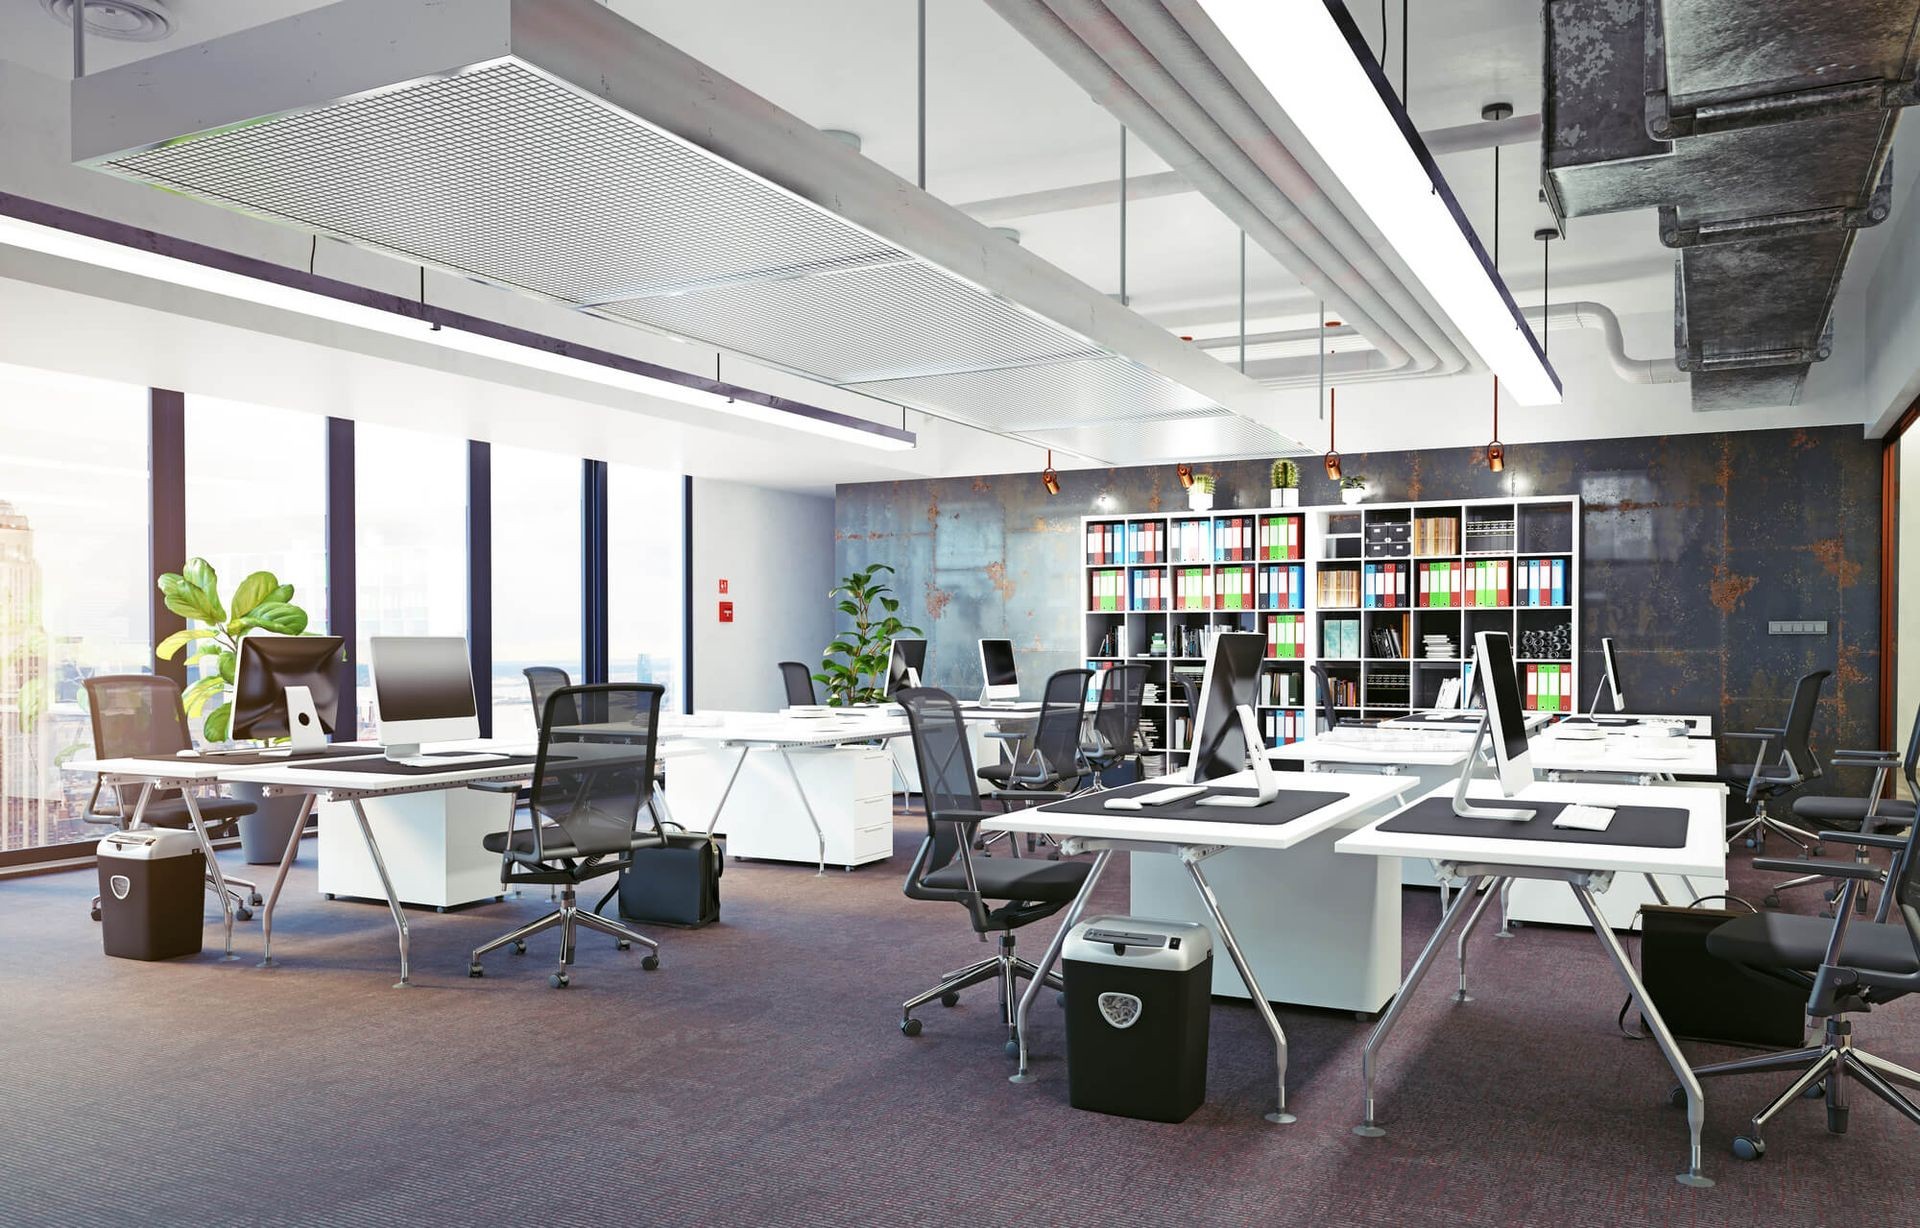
[(1692, 544)]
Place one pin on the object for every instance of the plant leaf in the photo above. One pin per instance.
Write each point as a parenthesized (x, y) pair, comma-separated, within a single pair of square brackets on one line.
[(194, 699), (280, 595), (180, 639), (200, 573), (228, 661), (217, 723), (252, 591), (280, 618)]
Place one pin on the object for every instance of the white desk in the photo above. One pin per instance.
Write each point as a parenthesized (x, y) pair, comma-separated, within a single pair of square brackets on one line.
[(1364, 930), (841, 791), (312, 780), (1483, 863)]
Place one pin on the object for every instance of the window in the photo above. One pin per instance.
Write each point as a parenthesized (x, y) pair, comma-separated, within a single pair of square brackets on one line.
[(536, 578), (645, 585), (410, 539), (73, 584), (256, 491)]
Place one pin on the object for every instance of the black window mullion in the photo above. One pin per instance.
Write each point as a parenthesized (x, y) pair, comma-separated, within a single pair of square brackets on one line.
[(594, 613), (166, 514), (480, 578), (686, 593), (343, 592)]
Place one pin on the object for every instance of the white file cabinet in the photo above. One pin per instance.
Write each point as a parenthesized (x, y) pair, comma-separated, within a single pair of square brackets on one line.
[(849, 788), (431, 842)]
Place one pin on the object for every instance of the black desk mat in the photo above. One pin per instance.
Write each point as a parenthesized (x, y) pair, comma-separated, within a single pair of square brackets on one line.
[(258, 758), (1654, 827), (386, 767), (1290, 805)]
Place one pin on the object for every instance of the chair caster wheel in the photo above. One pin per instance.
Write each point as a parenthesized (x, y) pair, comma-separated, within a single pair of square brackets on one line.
[(94, 913), (949, 999), (559, 980), (1817, 1092), (1745, 1148), (1012, 1048), (651, 963), (440, 908), (1819, 850), (1752, 843), (243, 914), (256, 899), (1771, 901), (519, 948), (1676, 1097), (909, 1027), (476, 970), (621, 944)]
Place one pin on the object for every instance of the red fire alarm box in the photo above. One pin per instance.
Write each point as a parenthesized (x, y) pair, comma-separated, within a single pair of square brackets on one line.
[(726, 611), (723, 586)]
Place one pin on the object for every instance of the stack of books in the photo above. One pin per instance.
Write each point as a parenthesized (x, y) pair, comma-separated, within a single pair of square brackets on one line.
[(1439, 648)]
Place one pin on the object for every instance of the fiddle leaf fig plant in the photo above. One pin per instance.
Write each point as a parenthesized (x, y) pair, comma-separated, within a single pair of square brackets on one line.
[(260, 602), (853, 667)]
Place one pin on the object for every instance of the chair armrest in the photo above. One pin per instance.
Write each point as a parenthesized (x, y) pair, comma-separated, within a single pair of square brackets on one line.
[(963, 816), (1821, 869), (1772, 733), (1864, 840), (498, 786), (1761, 735), (1887, 757), (1029, 795)]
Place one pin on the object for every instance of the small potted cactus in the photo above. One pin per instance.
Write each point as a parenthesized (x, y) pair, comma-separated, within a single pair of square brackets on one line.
[(1285, 490), (1200, 494)]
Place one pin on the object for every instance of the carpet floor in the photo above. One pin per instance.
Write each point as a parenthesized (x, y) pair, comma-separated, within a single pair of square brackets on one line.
[(759, 1078)]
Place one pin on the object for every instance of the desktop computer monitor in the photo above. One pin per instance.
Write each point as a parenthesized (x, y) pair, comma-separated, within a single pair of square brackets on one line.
[(1612, 679), (906, 662), (423, 690), (1505, 724), (996, 667), (286, 686), (1222, 743)]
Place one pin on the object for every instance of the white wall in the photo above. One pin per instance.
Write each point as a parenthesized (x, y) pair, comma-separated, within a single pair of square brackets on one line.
[(775, 550)]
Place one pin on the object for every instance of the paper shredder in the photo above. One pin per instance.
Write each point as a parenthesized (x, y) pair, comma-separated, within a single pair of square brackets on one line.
[(1138, 994), (151, 881)]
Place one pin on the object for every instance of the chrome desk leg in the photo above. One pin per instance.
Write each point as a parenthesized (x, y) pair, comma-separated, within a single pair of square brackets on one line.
[(1691, 889), (1653, 884), (1460, 944), (1696, 1098), (280, 878), (1052, 957), (713, 823), (1279, 1115), (213, 868), (386, 885), (1506, 921), (1463, 903), (820, 837)]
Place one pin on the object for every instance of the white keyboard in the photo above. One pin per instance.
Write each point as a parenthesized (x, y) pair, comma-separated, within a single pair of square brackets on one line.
[(450, 761), (1159, 797), (1584, 818)]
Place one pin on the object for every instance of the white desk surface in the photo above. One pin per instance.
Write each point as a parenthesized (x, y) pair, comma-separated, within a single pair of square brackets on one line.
[(1703, 855), (1144, 826), (1623, 752), (773, 729), (1700, 725), (190, 767), (1459, 719), (316, 777), (1379, 746)]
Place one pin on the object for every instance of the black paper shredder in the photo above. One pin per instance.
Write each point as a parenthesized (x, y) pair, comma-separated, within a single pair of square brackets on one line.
[(1138, 996)]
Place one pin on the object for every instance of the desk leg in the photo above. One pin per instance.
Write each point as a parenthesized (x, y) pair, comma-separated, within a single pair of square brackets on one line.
[(1696, 1098), (820, 837), (1052, 957), (280, 878), (1506, 922), (1460, 944), (1463, 903), (1653, 884), (713, 824), (386, 885), (213, 867), (1279, 1115)]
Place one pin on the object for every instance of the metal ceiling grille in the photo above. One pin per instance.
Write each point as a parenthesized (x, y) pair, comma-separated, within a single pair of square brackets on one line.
[(1099, 389)]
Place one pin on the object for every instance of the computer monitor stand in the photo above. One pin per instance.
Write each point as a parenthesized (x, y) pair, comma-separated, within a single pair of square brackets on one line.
[(1593, 709), (1266, 781), (1466, 809), (305, 734)]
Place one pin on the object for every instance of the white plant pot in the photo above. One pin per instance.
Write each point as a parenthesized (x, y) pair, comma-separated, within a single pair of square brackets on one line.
[(1199, 500), (1353, 494), (1284, 497)]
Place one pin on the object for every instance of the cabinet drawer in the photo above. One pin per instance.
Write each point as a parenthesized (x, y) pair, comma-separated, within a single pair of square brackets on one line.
[(873, 841)]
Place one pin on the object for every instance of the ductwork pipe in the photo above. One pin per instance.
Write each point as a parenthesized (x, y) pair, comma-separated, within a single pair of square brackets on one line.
[(1597, 315)]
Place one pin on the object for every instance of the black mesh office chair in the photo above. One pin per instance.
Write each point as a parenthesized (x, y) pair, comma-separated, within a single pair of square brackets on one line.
[(137, 715), (542, 682), (1322, 700), (591, 782), (1053, 758), (1000, 894), (798, 680), (1847, 965), (1873, 813), (1783, 763), (1115, 733)]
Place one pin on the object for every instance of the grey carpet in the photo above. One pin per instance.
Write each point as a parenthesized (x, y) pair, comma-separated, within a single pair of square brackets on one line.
[(758, 1078)]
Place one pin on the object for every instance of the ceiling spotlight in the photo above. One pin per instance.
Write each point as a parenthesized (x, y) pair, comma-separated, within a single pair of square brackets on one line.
[(1049, 478), (132, 21), (1332, 460), (1185, 474)]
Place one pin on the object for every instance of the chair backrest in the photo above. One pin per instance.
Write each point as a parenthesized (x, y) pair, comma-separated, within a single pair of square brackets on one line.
[(1063, 705), (1117, 719), (947, 782), (542, 682), (1797, 742), (1322, 698), (798, 680), (136, 714), (595, 769)]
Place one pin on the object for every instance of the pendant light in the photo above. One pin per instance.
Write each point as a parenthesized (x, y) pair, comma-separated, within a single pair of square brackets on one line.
[(1496, 451), (1185, 474), (1494, 112), (1332, 460), (1048, 477)]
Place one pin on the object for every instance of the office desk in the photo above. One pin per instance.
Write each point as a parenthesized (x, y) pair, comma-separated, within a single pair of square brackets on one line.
[(1328, 922), (1425, 754), (1484, 863), (314, 781), (843, 790), (1699, 725)]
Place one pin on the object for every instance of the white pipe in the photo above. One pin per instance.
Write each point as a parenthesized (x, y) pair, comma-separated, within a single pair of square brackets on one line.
[(1587, 314)]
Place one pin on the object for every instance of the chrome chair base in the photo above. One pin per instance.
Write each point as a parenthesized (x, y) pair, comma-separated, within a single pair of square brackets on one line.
[(1004, 967), (567, 919), (1825, 1070), (1755, 829)]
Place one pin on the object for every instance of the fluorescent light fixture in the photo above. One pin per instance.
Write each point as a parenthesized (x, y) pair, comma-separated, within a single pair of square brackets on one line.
[(172, 270), (1308, 55)]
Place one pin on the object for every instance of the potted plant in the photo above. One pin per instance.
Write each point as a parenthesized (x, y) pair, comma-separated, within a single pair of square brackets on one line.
[(1200, 494), (1286, 485), (1353, 488), (214, 631), (854, 665)]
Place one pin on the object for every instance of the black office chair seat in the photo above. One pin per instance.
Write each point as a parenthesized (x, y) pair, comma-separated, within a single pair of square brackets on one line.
[(555, 845), (172, 811), (1016, 878), (1799, 943), (1002, 776), (1850, 812)]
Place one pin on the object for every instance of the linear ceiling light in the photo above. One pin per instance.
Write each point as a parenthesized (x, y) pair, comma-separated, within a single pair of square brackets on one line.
[(172, 270), (1312, 59)]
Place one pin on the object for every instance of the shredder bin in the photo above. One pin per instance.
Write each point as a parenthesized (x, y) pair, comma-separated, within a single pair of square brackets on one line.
[(151, 881), (1138, 995)]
